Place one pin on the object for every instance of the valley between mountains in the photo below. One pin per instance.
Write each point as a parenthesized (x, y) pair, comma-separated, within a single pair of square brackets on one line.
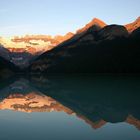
[(95, 48)]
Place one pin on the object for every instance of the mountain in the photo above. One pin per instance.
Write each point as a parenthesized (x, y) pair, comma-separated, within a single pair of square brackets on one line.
[(23, 50), (95, 22), (93, 48), (7, 68), (110, 49), (60, 38), (4, 64), (133, 26), (97, 48), (36, 39), (4, 52), (136, 34), (112, 32)]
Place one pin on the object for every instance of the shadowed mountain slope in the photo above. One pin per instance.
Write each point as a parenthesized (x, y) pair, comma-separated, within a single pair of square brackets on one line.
[(108, 50)]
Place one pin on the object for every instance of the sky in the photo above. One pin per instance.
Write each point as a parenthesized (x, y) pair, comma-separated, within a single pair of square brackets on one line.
[(19, 17)]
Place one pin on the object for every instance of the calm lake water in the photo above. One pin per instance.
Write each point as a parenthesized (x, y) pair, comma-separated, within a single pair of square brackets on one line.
[(70, 107)]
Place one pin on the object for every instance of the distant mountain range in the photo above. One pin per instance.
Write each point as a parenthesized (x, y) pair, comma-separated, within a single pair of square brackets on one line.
[(97, 47), (23, 50)]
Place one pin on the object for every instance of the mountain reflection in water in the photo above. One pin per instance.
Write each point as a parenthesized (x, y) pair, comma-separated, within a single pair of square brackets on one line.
[(96, 100)]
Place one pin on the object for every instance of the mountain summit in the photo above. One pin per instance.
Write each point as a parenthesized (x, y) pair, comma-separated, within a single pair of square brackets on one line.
[(97, 22)]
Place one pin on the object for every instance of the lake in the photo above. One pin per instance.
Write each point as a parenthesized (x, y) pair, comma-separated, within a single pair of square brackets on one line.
[(70, 107)]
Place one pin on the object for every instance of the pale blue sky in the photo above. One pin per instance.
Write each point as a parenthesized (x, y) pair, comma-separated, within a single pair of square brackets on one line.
[(61, 16)]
